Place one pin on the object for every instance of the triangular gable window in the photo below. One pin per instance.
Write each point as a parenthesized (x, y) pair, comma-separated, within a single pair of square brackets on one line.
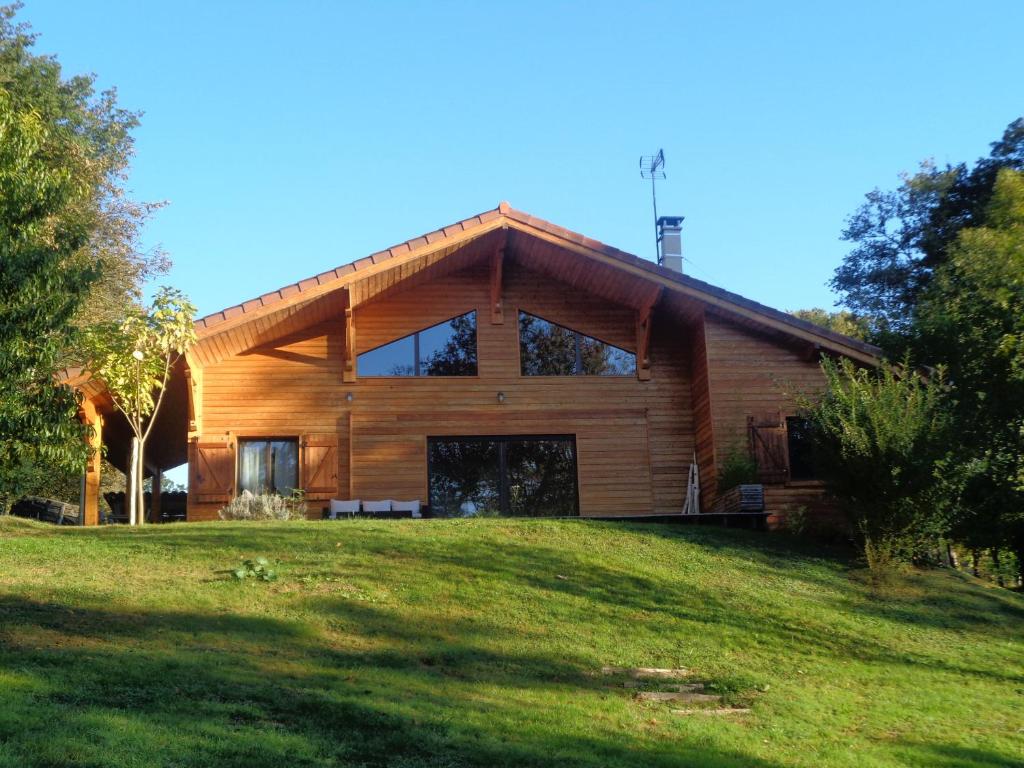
[(549, 349), (445, 349)]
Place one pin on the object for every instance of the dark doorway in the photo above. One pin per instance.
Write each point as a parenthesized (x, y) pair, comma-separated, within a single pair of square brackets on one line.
[(517, 475)]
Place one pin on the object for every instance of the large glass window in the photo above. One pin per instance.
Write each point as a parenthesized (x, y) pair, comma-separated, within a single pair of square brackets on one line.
[(549, 349), (513, 475), (268, 466), (801, 449), (445, 349)]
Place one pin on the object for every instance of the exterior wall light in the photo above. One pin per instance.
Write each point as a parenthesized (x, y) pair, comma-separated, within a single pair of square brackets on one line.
[(501, 397), (349, 396)]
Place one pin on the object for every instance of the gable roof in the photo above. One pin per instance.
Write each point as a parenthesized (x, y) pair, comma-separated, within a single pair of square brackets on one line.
[(302, 296)]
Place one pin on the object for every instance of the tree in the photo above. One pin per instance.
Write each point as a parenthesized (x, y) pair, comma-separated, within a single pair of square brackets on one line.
[(134, 360), (972, 318), (69, 252), (103, 130), (879, 437), (45, 181), (844, 322), (902, 236)]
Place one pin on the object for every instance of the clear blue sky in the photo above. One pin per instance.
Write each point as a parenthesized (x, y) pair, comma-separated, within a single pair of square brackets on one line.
[(293, 137)]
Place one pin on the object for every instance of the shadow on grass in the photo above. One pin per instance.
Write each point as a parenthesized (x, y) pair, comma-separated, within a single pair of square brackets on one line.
[(97, 687), (648, 599)]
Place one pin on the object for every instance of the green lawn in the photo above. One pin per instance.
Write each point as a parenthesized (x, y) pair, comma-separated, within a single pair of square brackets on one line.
[(478, 643)]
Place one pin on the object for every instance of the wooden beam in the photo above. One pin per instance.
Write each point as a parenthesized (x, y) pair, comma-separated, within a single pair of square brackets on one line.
[(643, 336), (497, 306), (194, 387), (90, 502), (154, 503), (349, 374)]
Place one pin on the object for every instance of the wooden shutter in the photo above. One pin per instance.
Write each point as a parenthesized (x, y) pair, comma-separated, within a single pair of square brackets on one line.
[(768, 447), (212, 472), (320, 466)]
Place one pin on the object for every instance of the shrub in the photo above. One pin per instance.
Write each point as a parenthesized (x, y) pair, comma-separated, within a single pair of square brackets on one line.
[(264, 506), (880, 437), (738, 468)]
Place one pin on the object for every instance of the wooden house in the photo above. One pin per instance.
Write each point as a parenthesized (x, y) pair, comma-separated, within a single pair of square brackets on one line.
[(500, 365)]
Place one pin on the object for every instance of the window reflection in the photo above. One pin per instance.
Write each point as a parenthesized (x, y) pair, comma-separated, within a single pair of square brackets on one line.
[(445, 349), (488, 476), (549, 349), (268, 466)]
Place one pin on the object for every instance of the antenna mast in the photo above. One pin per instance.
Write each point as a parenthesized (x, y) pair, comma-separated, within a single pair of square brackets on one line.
[(653, 167)]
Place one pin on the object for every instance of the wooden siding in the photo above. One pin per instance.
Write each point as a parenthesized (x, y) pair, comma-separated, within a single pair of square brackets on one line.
[(752, 375), (635, 439)]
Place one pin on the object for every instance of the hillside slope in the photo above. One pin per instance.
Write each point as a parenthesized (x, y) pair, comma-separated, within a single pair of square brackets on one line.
[(480, 643)]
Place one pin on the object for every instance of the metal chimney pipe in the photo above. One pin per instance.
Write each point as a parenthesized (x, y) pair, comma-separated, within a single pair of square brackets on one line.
[(670, 239)]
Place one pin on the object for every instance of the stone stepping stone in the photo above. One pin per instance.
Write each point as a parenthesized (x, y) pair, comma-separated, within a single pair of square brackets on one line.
[(688, 697), (683, 688), (646, 673), (711, 711)]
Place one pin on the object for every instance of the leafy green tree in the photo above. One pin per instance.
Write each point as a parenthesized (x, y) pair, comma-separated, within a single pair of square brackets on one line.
[(901, 237), (880, 435), (844, 322), (972, 318), (134, 360), (45, 179), (103, 130), (69, 252)]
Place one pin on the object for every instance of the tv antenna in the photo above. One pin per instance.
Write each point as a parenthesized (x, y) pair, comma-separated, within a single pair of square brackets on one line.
[(653, 167)]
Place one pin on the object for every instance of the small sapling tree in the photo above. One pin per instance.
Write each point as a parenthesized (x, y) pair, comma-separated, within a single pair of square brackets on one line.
[(134, 359)]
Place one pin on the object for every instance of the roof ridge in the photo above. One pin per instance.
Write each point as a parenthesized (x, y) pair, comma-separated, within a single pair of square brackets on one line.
[(505, 210)]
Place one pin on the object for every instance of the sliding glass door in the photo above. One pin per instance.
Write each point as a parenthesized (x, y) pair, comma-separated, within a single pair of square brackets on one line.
[(525, 476)]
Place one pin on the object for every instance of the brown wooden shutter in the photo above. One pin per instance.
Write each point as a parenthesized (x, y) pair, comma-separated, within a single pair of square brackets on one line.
[(320, 466), (768, 447), (212, 473)]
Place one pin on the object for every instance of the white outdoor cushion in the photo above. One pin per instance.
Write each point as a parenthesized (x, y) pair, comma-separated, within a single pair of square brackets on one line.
[(406, 506), (377, 506), (343, 507)]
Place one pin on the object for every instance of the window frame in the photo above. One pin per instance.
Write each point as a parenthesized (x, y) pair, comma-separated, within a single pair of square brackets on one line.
[(415, 336), (579, 355), (276, 437)]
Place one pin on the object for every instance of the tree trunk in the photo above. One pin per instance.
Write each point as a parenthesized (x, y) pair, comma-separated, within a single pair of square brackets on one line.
[(140, 488), (975, 557), (951, 556), (134, 495), (996, 566)]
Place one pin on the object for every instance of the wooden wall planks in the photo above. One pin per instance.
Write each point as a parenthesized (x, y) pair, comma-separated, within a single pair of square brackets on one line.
[(634, 439), (748, 374)]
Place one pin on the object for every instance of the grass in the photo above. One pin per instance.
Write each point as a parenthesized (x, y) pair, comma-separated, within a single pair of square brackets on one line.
[(476, 643)]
